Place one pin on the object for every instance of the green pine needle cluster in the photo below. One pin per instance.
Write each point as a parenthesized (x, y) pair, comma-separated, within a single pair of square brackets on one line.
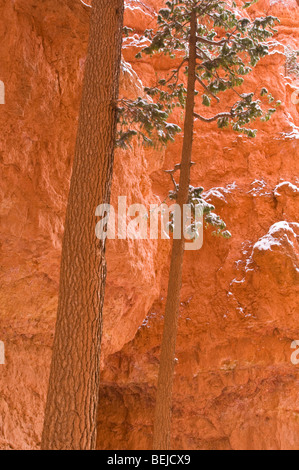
[(228, 48), (146, 120), (199, 205)]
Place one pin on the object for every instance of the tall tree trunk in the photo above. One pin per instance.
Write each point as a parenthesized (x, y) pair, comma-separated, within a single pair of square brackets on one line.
[(162, 426), (71, 410)]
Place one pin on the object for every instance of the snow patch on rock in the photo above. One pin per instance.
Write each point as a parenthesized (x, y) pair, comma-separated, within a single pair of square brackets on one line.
[(286, 187), (280, 231), (220, 193)]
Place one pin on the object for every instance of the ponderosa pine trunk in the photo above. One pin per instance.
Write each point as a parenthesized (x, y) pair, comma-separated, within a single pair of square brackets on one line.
[(163, 412), (72, 402)]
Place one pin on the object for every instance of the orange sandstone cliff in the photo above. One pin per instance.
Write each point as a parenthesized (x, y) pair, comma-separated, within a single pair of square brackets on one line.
[(235, 385)]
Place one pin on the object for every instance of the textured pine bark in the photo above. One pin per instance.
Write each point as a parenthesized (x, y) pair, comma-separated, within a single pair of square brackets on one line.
[(163, 412), (71, 410)]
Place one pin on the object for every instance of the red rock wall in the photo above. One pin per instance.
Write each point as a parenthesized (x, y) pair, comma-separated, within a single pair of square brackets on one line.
[(235, 386)]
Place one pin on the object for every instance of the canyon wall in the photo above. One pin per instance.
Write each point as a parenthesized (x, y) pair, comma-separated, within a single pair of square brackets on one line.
[(235, 386)]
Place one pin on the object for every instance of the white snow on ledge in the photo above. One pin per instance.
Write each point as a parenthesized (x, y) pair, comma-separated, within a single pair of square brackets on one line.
[(294, 135), (286, 185), (277, 231), (139, 5), (220, 192)]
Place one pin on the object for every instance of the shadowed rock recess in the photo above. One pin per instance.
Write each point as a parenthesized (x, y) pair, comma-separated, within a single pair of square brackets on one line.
[(235, 385)]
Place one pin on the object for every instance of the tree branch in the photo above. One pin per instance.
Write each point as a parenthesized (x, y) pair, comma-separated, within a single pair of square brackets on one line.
[(176, 71), (206, 88), (211, 43), (215, 118)]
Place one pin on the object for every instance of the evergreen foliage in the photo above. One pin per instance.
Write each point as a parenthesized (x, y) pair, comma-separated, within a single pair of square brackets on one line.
[(228, 47)]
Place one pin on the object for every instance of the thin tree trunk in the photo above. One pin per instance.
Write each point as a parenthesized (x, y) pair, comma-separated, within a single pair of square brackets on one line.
[(162, 426), (71, 410)]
